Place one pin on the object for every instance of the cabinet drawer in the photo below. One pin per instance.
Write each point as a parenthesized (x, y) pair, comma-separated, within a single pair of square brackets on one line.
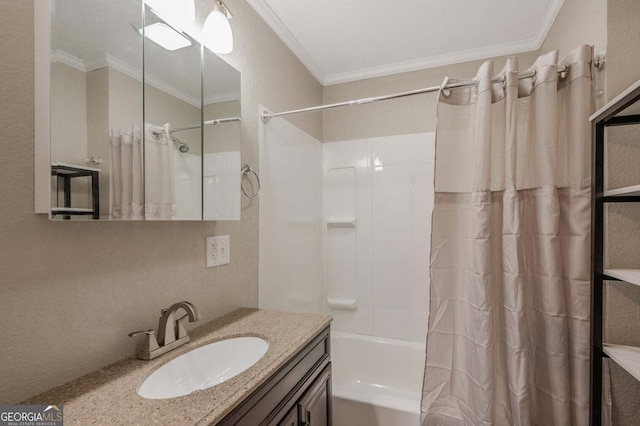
[(279, 393)]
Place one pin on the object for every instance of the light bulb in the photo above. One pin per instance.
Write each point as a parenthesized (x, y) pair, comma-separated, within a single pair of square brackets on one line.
[(216, 33)]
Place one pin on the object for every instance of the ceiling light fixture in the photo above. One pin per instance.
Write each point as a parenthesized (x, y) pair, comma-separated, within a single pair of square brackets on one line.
[(165, 36), (216, 32)]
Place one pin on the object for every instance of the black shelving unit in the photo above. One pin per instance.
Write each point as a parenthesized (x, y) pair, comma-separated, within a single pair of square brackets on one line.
[(628, 357), (66, 172)]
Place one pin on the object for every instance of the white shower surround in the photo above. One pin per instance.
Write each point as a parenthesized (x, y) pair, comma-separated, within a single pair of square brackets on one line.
[(362, 237)]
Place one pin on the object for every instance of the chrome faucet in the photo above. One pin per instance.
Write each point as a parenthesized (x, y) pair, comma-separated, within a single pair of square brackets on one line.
[(171, 331)]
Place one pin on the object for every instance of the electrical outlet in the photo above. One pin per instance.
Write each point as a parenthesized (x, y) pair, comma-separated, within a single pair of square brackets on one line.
[(218, 250)]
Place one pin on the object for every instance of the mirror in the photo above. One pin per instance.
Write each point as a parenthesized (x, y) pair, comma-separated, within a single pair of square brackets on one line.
[(126, 146), (221, 145)]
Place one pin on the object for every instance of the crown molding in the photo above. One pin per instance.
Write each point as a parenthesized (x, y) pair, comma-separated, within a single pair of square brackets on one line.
[(67, 59), (96, 63), (547, 21), (432, 62), (222, 97), (281, 30), (151, 80), (269, 16), (133, 72)]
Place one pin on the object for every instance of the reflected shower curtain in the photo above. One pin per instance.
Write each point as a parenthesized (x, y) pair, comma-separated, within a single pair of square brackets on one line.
[(508, 335), (127, 191), (136, 194), (159, 177)]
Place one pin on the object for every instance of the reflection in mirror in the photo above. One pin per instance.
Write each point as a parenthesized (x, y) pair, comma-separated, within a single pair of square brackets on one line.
[(96, 58), (221, 143), (172, 114), (122, 149)]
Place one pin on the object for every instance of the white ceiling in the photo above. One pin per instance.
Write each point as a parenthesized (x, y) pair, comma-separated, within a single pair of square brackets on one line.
[(347, 40)]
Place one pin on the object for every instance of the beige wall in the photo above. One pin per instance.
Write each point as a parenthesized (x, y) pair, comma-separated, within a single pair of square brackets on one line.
[(579, 22), (70, 292), (622, 323)]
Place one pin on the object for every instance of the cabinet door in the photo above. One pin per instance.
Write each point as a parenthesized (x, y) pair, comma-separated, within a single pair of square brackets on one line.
[(291, 419), (315, 405)]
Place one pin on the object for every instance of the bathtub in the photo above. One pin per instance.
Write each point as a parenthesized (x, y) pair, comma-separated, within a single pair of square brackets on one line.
[(376, 381)]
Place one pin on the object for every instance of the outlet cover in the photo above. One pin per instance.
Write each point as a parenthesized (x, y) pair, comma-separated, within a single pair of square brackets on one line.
[(218, 250)]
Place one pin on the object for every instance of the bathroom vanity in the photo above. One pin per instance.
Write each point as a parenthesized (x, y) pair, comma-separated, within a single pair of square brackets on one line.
[(298, 394), (290, 385)]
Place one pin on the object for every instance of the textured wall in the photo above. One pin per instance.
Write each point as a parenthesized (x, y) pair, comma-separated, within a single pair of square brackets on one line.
[(579, 22), (70, 292), (622, 323)]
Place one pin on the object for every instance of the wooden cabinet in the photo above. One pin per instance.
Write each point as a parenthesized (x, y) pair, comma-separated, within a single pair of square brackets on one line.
[(291, 419), (298, 394), (314, 407)]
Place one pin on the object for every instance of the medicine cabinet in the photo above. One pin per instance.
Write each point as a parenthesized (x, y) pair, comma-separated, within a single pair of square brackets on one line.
[(136, 119)]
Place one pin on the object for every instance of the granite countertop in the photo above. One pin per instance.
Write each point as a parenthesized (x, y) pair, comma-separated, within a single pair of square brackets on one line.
[(108, 396)]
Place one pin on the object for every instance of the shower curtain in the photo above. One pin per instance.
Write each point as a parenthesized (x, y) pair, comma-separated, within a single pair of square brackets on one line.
[(159, 177), (142, 189), (508, 334), (127, 192)]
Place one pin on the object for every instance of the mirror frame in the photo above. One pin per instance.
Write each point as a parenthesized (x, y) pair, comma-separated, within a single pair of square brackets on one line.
[(42, 77)]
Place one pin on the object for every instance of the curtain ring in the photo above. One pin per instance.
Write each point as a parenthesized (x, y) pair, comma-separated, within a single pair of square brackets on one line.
[(564, 73), (444, 92), (246, 170)]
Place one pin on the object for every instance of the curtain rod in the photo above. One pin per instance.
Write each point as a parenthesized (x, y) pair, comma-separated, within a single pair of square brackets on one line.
[(266, 116), (207, 123)]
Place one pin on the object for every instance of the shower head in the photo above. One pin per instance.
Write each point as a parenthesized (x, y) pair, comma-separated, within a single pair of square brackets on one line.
[(182, 147)]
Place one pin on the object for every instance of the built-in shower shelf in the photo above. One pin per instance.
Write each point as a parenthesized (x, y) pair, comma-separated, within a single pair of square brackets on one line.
[(631, 276), (627, 357), (627, 191), (341, 223), (348, 305)]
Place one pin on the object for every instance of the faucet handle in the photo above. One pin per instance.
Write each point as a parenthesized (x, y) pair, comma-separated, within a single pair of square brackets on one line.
[(150, 343), (180, 330)]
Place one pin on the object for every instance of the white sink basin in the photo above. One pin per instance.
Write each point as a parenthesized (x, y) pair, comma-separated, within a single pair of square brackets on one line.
[(203, 367)]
